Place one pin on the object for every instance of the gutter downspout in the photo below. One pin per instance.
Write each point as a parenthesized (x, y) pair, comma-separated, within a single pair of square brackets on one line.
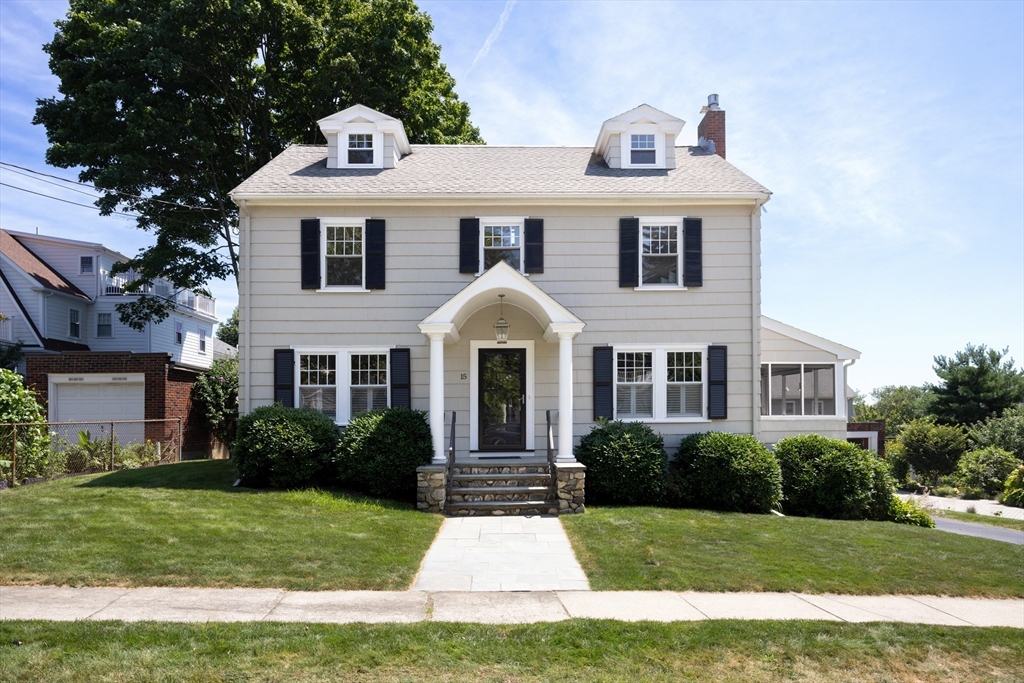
[(245, 322)]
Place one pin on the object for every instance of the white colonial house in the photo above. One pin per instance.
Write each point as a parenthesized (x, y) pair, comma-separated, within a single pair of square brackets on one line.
[(498, 285)]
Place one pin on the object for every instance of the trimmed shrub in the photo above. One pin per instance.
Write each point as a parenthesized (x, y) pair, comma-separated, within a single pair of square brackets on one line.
[(909, 512), (379, 451), (823, 477), (899, 466), (933, 449), (944, 491), (985, 469), (284, 447), (1013, 488), (733, 472), (626, 463), (34, 457), (215, 393)]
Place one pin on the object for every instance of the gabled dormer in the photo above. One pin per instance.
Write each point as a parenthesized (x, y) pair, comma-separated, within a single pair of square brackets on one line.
[(644, 137), (360, 137)]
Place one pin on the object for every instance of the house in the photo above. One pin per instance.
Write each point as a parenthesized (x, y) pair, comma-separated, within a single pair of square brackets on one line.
[(59, 299), (494, 286)]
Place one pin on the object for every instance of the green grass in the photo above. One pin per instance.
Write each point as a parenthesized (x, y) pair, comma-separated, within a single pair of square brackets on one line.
[(991, 520), (184, 525), (568, 651), (634, 548)]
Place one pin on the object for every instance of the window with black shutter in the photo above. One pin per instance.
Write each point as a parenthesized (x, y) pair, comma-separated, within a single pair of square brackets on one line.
[(469, 245), (375, 253), (629, 252), (718, 382), (534, 245), (284, 377), (693, 256), (400, 379), (309, 246), (603, 385)]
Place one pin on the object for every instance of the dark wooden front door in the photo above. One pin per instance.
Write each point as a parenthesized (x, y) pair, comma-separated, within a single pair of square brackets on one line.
[(502, 409)]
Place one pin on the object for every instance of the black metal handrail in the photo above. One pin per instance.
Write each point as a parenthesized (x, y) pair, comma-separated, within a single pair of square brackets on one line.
[(551, 455), (450, 464)]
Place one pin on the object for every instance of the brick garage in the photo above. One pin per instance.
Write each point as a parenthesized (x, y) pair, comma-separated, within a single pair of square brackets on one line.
[(168, 389)]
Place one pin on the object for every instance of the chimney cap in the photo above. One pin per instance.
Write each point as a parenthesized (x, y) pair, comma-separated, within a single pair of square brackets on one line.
[(712, 104)]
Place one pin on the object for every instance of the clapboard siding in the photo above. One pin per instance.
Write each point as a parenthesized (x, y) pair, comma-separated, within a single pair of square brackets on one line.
[(778, 348), (64, 258)]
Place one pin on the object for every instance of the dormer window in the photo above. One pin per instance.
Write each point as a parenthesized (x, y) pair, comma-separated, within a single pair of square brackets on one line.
[(360, 148), (641, 149)]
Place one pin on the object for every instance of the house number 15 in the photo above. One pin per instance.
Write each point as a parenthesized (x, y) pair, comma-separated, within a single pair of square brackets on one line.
[(462, 376)]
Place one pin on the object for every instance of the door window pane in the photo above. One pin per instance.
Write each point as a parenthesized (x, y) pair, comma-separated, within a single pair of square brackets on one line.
[(502, 399)]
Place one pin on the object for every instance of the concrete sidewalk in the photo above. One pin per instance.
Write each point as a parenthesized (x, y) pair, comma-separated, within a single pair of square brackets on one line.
[(242, 604)]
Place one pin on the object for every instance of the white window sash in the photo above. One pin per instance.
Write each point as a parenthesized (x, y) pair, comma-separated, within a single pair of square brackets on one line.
[(494, 221), (660, 360), (341, 223), (342, 364), (649, 221)]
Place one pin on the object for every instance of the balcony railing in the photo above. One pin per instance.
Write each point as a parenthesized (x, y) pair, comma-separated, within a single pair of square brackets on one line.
[(117, 285), (7, 329)]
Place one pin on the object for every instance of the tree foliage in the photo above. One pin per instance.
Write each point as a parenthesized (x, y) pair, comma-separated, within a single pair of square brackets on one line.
[(216, 393), (167, 105), (933, 449), (897, 405), (976, 383), (1006, 432), (227, 331)]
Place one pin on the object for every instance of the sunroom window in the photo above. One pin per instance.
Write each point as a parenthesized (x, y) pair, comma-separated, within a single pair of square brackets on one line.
[(634, 384), (795, 389), (641, 149), (360, 148), (318, 384)]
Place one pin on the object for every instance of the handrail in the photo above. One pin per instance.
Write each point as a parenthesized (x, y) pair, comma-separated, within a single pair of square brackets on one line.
[(551, 455), (450, 465)]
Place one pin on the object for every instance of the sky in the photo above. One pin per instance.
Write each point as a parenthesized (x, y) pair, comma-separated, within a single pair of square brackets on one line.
[(891, 136)]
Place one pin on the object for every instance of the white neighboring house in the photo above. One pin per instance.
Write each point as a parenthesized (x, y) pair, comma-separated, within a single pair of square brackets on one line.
[(59, 298), (499, 283)]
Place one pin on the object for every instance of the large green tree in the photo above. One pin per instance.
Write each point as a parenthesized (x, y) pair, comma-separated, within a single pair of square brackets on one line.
[(897, 405), (166, 105), (976, 383), (227, 331)]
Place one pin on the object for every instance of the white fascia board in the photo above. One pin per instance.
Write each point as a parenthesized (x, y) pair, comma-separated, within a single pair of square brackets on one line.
[(506, 199), (841, 352)]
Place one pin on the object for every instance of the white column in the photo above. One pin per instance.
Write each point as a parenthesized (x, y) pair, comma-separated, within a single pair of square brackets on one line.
[(437, 396), (565, 397)]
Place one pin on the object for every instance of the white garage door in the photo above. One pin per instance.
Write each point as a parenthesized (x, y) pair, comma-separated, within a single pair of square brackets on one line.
[(101, 403)]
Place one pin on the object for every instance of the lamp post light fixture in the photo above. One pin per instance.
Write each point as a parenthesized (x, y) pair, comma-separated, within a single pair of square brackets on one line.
[(501, 327)]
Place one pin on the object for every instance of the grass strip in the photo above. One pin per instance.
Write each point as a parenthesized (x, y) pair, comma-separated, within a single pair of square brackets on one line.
[(578, 650), (974, 518), (184, 525), (636, 548)]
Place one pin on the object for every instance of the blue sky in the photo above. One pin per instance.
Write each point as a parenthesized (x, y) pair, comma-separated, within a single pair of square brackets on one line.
[(892, 136)]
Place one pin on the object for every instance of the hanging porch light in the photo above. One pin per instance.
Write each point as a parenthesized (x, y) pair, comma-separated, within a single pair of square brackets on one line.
[(501, 327)]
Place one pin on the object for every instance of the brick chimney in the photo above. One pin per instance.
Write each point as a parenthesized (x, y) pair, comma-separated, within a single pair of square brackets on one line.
[(712, 127)]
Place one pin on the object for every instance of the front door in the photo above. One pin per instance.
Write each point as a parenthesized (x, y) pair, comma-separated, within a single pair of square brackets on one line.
[(502, 393)]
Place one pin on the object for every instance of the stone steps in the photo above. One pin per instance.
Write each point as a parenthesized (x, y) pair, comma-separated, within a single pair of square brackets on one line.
[(501, 507), (500, 488)]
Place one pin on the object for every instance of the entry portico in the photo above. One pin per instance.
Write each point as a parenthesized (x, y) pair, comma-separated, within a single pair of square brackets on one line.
[(443, 327)]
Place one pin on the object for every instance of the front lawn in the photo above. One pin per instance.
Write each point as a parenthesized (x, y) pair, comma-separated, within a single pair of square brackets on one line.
[(184, 525), (579, 650), (635, 548)]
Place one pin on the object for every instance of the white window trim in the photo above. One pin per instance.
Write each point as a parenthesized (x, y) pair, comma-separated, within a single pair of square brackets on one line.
[(334, 222), (660, 220), (82, 272), (80, 324), (343, 363), (174, 333), (625, 140), (204, 339), (660, 358), (104, 336), (474, 389), (840, 391), (361, 128), (499, 221)]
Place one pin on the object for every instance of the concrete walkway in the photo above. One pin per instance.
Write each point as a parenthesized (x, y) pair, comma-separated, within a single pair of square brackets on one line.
[(992, 533), (242, 604), (981, 507), (511, 553)]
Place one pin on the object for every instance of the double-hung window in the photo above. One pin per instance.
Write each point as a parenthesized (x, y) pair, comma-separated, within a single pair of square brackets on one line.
[(202, 340), (641, 149), (501, 239), (659, 253), (74, 323), (318, 383), (103, 325), (660, 383), (179, 332), (85, 265), (368, 388), (343, 254), (798, 389), (360, 148)]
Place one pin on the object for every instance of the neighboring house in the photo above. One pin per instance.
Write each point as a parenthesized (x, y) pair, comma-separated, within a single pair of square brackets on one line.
[(625, 276), (59, 297)]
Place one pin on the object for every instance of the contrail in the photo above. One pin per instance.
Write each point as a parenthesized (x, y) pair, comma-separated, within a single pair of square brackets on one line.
[(495, 32)]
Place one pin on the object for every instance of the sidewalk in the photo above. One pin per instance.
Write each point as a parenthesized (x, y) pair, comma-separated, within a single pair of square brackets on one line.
[(981, 507), (242, 604)]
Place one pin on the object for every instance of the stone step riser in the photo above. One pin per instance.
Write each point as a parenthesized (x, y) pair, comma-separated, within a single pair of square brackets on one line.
[(498, 497), (501, 471), (500, 483)]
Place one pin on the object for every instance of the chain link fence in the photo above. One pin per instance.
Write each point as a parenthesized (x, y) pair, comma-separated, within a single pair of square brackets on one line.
[(31, 452)]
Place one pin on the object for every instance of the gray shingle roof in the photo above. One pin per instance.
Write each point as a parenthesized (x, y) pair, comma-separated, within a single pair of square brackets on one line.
[(481, 169)]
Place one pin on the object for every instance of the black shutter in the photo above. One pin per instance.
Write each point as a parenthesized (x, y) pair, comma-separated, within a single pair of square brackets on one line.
[(284, 377), (693, 252), (400, 379), (629, 252), (375, 253), (603, 388), (309, 244), (469, 245), (533, 243), (717, 382)]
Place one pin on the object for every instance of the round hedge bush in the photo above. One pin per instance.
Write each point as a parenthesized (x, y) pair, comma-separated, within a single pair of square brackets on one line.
[(626, 463), (823, 477), (985, 469), (732, 472), (1013, 489), (34, 457), (284, 448), (379, 451)]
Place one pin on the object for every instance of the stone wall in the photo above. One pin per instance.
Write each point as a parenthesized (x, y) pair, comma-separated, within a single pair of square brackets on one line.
[(430, 488), (571, 481)]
